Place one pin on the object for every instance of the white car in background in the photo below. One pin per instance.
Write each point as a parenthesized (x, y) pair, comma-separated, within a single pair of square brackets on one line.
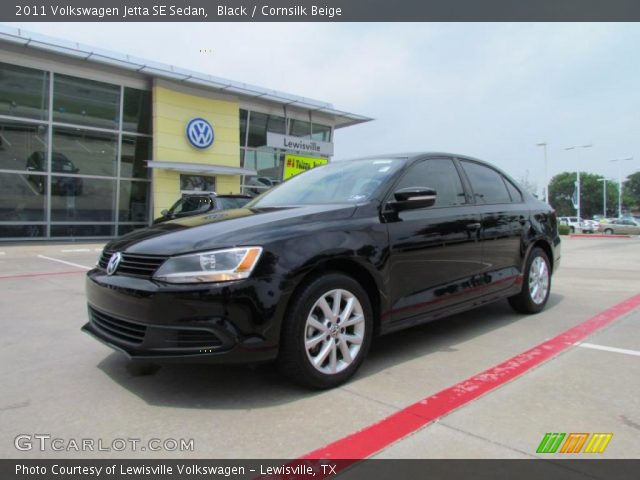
[(578, 225)]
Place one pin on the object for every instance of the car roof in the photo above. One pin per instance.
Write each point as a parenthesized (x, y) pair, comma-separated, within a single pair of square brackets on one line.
[(418, 155)]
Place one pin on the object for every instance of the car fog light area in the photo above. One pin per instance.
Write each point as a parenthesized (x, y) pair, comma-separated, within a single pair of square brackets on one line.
[(214, 266)]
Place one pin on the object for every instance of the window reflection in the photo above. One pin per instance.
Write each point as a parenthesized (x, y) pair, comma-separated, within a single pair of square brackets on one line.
[(94, 202), (84, 151), (85, 102), (18, 141), (24, 92), (134, 153)]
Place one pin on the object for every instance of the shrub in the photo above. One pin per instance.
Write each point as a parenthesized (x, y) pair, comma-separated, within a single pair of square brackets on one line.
[(564, 229)]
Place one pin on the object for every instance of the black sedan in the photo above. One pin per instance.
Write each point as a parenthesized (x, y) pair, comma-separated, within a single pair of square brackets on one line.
[(307, 273)]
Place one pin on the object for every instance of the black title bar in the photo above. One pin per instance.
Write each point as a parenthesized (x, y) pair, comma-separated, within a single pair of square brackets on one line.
[(319, 11)]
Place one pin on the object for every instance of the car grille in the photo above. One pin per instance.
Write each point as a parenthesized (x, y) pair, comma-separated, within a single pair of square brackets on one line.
[(133, 264), (114, 327), (196, 339)]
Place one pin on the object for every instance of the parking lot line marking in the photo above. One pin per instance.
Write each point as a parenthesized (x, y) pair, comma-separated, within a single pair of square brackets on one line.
[(609, 349), (376, 437), (65, 262), (44, 274), (69, 250)]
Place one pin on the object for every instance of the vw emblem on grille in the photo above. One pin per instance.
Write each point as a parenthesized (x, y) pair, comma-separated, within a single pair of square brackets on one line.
[(200, 133), (114, 261)]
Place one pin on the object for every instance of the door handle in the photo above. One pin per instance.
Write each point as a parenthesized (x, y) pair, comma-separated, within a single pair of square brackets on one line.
[(474, 226)]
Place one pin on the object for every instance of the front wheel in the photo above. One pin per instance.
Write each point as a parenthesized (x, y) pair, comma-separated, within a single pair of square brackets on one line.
[(327, 332), (536, 285), (608, 231)]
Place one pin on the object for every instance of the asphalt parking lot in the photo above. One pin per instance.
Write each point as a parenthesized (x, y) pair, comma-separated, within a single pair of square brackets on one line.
[(58, 381)]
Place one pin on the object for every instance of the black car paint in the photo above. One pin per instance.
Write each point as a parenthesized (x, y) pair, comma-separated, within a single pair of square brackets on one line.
[(476, 254)]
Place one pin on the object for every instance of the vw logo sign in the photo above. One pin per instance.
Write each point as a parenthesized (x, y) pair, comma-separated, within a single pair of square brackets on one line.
[(200, 133), (114, 261)]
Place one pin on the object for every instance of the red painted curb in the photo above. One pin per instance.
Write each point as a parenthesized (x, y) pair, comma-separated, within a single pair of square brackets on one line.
[(29, 275), (597, 235), (372, 439)]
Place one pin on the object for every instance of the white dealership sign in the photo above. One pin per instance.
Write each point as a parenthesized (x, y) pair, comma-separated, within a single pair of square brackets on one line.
[(299, 144)]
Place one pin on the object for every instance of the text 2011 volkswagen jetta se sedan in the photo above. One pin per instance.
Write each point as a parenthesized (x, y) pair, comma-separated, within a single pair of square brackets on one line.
[(307, 273)]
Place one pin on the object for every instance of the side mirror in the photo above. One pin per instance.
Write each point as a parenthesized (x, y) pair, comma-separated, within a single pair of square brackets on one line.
[(413, 197), (164, 212)]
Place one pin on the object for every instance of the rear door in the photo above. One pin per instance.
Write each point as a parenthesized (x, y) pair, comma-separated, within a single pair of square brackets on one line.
[(435, 252), (504, 218)]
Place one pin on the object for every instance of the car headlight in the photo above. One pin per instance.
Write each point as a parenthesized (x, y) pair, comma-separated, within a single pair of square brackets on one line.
[(215, 266)]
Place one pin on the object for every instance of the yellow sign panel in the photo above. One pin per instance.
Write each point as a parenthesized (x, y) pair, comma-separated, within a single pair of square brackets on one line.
[(295, 164)]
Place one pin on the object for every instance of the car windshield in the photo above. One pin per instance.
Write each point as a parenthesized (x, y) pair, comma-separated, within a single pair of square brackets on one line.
[(337, 182), (225, 203)]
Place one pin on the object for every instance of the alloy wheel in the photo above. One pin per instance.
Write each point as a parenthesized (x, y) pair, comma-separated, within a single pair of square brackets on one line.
[(334, 331)]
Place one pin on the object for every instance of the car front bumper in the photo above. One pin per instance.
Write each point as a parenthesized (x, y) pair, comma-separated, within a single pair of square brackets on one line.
[(235, 322)]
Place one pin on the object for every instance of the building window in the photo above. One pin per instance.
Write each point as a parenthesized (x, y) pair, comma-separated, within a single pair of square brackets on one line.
[(92, 181), (20, 143), (135, 151), (243, 127), (84, 152), (85, 102), (136, 110), (321, 132), (24, 92), (197, 183), (134, 201), (260, 124), (300, 128), (76, 199), (23, 198)]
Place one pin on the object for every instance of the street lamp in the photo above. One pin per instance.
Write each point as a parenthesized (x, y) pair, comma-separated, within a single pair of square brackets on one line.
[(575, 147), (620, 160), (604, 196), (546, 177)]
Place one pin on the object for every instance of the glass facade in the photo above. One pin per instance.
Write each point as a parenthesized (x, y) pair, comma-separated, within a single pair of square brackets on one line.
[(267, 161), (72, 155)]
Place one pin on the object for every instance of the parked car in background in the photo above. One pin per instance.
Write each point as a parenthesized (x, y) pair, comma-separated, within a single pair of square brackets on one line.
[(60, 164), (621, 226), (307, 273), (197, 204), (578, 225)]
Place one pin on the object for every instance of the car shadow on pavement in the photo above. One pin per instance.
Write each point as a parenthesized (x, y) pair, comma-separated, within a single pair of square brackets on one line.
[(205, 386)]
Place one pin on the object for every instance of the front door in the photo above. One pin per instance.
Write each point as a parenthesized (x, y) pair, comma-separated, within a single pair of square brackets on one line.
[(435, 252)]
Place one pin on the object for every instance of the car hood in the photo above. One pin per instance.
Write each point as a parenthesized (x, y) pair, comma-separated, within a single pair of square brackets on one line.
[(228, 228)]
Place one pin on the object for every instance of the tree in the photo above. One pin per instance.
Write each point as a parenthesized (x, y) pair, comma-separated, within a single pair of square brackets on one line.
[(563, 186), (631, 190)]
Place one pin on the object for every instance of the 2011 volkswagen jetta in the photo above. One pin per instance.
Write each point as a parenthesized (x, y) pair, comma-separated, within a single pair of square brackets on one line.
[(307, 273)]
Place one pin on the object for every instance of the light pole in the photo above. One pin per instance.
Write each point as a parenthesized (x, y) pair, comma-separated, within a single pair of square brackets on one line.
[(546, 177), (620, 160), (604, 196), (575, 147)]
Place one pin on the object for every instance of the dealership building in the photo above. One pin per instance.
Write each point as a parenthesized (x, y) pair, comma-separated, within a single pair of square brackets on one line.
[(95, 144)]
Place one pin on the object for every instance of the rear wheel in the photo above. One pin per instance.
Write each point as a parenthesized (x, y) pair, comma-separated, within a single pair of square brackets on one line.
[(536, 285), (327, 332), (608, 231)]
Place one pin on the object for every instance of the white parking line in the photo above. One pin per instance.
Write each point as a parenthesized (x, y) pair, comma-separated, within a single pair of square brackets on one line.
[(609, 349), (65, 262), (69, 250)]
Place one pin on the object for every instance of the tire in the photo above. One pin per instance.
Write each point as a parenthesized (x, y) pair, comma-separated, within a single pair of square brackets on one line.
[(608, 231), (536, 285), (572, 230), (337, 352)]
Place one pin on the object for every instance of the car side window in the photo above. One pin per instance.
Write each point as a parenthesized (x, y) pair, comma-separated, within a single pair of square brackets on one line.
[(487, 184), (192, 205), (441, 175), (516, 196)]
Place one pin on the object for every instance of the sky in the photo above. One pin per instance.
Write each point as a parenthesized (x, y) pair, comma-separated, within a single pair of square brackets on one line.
[(488, 90)]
